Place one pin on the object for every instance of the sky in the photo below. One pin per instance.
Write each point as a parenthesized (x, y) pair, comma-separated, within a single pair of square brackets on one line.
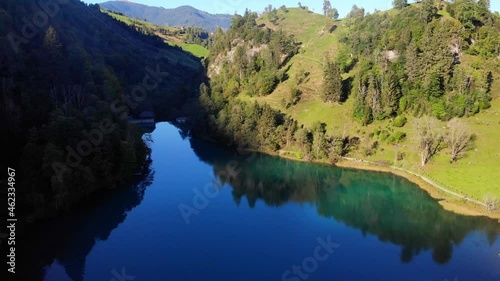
[(239, 6)]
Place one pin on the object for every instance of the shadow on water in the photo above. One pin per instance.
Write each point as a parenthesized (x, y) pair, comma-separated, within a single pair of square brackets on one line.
[(386, 206), (70, 238), (382, 204)]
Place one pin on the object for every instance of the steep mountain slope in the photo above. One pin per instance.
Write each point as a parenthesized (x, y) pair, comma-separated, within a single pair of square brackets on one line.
[(181, 16), (69, 85), (191, 39), (382, 108)]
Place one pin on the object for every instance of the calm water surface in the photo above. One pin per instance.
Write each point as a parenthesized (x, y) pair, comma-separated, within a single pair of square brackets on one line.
[(205, 213)]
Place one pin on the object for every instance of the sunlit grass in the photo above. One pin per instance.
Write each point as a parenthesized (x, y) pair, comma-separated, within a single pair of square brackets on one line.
[(474, 176), (195, 49)]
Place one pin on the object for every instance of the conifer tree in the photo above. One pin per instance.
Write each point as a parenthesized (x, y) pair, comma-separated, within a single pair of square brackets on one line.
[(429, 10), (51, 40), (332, 83), (400, 4)]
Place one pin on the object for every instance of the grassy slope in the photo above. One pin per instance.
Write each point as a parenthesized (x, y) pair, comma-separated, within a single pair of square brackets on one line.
[(197, 50), (474, 176)]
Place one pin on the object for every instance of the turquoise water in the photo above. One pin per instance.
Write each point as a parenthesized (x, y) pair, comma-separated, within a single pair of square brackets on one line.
[(206, 213)]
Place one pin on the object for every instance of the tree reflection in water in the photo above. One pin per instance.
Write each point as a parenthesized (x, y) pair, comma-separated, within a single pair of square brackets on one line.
[(70, 238), (388, 206)]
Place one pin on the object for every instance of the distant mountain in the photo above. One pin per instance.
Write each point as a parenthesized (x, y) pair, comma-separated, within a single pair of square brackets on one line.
[(181, 16)]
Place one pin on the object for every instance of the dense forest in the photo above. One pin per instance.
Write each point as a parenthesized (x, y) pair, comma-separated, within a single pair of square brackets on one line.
[(71, 77), (414, 65), (246, 59)]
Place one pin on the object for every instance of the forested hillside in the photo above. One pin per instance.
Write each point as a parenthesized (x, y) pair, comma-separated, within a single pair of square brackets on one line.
[(71, 77), (414, 87)]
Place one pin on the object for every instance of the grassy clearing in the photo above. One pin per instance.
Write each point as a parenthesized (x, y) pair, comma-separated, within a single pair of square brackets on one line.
[(196, 50), (473, 176)]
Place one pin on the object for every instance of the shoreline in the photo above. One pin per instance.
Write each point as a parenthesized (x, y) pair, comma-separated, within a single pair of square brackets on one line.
[(449, 200)]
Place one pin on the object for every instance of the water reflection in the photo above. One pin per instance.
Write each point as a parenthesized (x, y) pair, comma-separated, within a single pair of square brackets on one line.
[(69, 239), (378, 204), (390, 207)]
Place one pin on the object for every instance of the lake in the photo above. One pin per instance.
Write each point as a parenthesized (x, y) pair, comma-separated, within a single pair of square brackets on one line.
[(207, 213)]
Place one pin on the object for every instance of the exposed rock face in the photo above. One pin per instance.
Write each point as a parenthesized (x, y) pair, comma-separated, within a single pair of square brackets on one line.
[(391, 55), (216, 66)]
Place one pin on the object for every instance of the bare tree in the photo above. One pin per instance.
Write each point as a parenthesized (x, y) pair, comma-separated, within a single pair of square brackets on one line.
[(79, 96), (491, 202), (54, 95), (429, 140), (458, 139), (68, 96), (327, 6)]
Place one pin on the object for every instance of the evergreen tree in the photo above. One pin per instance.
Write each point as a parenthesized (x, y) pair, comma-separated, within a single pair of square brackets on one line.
[(429, 10), (391, 94), (436, 55), (400, 4), (332, 83), (362, 111), (485, 4), (435, 88), (319, 145), (51, 40), (374, 97), (412, 65)]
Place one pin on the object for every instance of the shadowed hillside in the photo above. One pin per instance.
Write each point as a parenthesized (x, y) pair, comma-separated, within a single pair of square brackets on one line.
[(69, 85)]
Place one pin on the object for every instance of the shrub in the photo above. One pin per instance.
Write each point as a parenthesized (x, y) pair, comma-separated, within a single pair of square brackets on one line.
[(284, 103), (399, 121), (403, 104), (384, 135), (294, 96), (396, 138), (369, 151), (491, 202), (399, 137), (439, 110), (266, 83), (401, 156)]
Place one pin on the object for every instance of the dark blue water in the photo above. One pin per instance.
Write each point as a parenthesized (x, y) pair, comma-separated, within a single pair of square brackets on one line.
[(205, 213)]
